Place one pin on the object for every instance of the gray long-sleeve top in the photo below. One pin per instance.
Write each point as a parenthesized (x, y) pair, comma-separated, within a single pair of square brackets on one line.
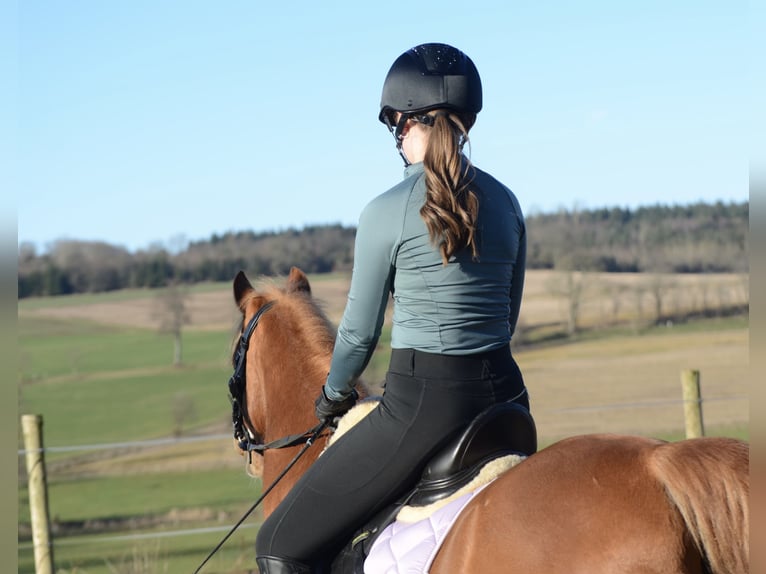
[(462, 308)]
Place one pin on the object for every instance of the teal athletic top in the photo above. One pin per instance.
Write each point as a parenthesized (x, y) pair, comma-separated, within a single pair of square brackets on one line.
[(462, 308)]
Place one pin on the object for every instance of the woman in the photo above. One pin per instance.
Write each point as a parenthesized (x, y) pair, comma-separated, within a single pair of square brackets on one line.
[(449, 243)]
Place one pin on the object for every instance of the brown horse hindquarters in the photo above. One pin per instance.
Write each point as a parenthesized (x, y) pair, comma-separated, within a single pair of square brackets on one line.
[(586, 505)]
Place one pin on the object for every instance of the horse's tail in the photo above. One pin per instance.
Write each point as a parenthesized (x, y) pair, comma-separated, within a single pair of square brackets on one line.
[(708, 480)]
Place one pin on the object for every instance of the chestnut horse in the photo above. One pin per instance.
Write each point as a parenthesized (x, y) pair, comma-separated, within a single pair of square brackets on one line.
[(588, 504)]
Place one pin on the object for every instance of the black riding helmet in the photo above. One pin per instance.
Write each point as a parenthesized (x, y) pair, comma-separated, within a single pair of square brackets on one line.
[(427, 77)]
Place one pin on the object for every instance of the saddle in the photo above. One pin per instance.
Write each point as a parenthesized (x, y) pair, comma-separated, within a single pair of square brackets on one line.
[(501, 430)]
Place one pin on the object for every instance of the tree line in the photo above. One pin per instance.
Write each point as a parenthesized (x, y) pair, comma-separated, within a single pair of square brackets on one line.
[(697, 238), (694, 238)]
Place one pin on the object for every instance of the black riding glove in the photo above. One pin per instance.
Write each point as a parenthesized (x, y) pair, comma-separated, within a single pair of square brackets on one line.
[(326, 409)]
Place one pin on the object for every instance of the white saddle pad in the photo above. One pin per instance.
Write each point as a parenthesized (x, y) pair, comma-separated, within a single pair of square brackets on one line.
[(410, 548)]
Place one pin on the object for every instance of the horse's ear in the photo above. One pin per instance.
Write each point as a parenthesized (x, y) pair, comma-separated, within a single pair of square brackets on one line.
[(298, 282), (242, 288)]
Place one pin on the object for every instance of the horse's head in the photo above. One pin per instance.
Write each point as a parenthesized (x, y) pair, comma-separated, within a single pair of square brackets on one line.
[(280, 360)]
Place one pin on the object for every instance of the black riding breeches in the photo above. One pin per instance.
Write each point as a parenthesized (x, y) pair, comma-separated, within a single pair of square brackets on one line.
[(427, 400)]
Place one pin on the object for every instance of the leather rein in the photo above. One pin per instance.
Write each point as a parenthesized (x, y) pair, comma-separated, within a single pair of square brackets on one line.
[(247, 441)]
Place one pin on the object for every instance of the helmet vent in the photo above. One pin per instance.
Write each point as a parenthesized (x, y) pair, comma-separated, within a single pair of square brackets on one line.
[(437, 58)]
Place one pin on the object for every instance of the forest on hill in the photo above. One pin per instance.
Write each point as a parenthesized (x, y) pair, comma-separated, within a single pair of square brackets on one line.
[(696, 238)]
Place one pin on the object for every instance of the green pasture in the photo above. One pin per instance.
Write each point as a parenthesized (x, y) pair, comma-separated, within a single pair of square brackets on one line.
[(76, 348), (158, 552), (94, 383), (128, 407), (219, 497), (132, 496)]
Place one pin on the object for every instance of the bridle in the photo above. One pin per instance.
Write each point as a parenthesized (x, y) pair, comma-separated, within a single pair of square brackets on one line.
[(247, 440), (237, 384)]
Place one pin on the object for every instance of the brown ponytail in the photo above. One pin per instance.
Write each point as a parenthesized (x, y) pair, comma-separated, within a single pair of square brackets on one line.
[(451, 208)]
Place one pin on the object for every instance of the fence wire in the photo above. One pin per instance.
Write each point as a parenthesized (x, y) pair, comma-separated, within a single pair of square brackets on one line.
[(130, 444), (80, 540)]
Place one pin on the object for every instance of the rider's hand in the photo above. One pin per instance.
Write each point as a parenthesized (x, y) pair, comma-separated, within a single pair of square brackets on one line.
[(327, 409)]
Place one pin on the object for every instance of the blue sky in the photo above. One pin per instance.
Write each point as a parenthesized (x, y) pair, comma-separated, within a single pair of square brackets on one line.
[(148, 122)]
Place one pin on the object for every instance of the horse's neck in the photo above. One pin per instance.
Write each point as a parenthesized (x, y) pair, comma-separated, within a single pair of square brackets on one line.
[(298, 363), (289, 415), (289, 408)]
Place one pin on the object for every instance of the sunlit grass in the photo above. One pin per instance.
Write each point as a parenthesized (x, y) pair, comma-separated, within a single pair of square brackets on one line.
[(152, 493), (152, 554)]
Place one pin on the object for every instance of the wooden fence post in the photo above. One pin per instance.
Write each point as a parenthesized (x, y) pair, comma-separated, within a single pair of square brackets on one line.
[(690, 382), (32, 426)]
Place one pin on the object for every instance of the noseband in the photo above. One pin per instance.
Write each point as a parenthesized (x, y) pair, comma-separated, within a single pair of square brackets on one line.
[(247, 441)]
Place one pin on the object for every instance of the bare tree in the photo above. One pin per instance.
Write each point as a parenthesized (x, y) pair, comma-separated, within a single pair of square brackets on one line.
[(638, 293), (658, 286), (569, 285), (613, 300), (184, 411), (173, 315)]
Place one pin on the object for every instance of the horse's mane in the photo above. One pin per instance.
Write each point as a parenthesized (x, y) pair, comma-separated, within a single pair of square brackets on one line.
[(300, 312)]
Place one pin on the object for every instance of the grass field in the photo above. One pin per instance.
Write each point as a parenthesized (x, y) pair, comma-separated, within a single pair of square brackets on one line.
[(156, 552), (98, 371)]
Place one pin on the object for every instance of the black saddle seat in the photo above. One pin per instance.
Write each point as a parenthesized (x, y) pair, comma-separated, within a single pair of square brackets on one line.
[(502, 429)]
